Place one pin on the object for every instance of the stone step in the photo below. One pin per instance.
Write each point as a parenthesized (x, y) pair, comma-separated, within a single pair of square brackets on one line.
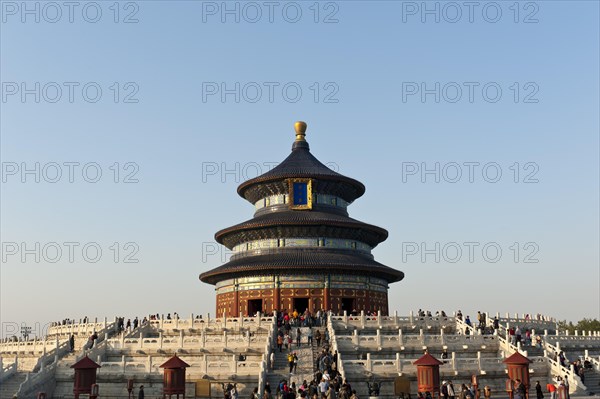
[(10, 387)]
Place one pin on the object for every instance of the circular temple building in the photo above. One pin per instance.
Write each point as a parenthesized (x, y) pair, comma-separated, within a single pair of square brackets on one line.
[(301, 250)]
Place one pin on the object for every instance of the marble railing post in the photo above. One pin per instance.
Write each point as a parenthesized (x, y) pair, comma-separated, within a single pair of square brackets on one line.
[(123, 363), (160, 340), (453, 361), (379, 318), (422, 336), (369, 363), (241, 320), (345, 317), (479, 361), (507, 315), (355, 337), (234, 366), (362, 319), (410, 317), (162, 321), (149, 364), (203, 337), (105, 323), (400, 338), (176, 321), (122, 341), (205, 363), (577, 333), (395, 318), (398, 363), (442, 336), (225, 338), (181, 339), (141, 343), (378, 337), (259, 316)]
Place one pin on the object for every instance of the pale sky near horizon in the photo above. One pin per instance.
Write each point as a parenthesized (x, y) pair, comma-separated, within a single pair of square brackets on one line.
[(474, 128)]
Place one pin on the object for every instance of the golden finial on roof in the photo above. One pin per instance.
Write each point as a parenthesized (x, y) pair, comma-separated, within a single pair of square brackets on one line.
[(300, 130)]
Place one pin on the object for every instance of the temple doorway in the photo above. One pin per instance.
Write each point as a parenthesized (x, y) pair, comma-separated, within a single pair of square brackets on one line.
[(254, 306), (348, 305), (300, 304)]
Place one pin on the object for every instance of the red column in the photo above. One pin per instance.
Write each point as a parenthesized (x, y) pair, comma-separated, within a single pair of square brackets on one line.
[(277, 295), (236, 301), (367, 298), (326, 302), (326, 297)]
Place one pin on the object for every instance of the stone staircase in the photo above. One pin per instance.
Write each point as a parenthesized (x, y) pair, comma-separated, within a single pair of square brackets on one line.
[(305, 368), (592, 382), (316, 350), (10, 386), (533, 350)]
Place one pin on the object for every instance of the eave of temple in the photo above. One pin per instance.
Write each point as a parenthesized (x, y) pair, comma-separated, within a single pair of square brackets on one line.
[(301, 164), (300, 224), (298, 260)]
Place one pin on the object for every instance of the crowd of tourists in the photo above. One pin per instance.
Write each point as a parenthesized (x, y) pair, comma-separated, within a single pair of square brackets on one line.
[(327, 382)]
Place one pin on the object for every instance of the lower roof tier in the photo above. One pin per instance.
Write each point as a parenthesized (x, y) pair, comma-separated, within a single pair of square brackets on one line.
[(297, 260)]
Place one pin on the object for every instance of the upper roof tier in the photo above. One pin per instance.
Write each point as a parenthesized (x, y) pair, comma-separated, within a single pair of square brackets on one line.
[(301, 164)]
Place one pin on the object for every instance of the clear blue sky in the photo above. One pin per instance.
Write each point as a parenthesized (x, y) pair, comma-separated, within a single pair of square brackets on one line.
[(369, 74)]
